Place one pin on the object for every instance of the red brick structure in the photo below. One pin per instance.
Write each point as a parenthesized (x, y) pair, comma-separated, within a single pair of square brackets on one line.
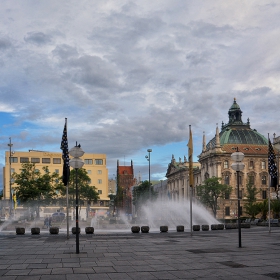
[(125, 181)]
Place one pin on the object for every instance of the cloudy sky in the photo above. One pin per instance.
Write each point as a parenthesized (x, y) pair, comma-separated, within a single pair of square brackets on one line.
[(132, 75)]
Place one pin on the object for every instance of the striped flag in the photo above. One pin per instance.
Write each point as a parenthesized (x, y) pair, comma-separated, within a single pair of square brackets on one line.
[(65, 155), (272, 167)]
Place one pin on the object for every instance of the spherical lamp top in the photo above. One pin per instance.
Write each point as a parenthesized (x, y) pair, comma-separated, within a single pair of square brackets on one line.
[(76, 163), (238, 166), (76, 152), (237, 156)]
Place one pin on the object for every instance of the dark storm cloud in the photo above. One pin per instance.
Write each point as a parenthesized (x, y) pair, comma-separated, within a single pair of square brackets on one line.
[(5, 43), (38, 38)]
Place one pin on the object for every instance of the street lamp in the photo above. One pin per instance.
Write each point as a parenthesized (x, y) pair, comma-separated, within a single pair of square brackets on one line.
[(149, 160), (10, 183), (238, 166), (276, 144), (76, 152)]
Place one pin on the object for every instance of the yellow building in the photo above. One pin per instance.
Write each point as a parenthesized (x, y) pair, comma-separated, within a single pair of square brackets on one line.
[(95, 165)]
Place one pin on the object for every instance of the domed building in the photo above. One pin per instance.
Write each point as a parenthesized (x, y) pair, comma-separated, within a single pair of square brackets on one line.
[(215, 160)]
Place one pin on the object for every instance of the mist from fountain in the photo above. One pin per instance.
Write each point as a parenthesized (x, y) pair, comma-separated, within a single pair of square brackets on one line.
[(174, 213)]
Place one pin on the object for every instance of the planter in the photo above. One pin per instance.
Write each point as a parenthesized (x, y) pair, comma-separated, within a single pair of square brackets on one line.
[(231, 226), (20, 231), (145, 229), (35, 230), (196, 227), (54, 230), (205, 227), (89, 230), (214, 227), (163, 228), (180, 228), (245, 225), (221, 226), (135, 229), (74, 230)]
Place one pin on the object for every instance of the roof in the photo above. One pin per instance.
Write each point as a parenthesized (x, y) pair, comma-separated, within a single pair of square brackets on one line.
[(236, 132), (127, 170)]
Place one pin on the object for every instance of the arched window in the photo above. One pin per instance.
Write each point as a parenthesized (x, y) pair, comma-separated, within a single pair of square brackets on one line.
[(227, 179), (263, 180), (251, 164), (226, 164)]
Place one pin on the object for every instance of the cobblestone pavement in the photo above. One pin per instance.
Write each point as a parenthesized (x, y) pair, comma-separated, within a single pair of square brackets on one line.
[(172, 255)]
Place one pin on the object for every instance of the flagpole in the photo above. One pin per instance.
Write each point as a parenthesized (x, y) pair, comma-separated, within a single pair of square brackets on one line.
[(190, 154), (67, 196), (269, 196), (67, 210)]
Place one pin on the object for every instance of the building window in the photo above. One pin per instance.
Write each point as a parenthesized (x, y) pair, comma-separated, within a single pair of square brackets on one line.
[(99, 171), (263, 165), (24, 159), (12, 170), (264, 196), (227, 195), (89, 182), (263, 180), (99, 191), (89, 172), (56, 171), (227, 180), (88, 161), (240, 193), (251, 179), (251, 164), (226, 164), (46, 160), (35, 160), (227, 211), (14, 159), (99, 161), (99, 181), (57, 160)]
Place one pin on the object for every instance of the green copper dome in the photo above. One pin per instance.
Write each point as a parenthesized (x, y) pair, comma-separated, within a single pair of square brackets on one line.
[(237, 132)]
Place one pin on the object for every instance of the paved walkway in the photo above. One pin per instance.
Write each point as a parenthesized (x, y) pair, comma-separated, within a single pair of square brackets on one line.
[(204, 255)]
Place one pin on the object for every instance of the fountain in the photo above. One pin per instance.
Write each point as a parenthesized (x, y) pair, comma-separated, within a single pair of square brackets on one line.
[(174, 213)]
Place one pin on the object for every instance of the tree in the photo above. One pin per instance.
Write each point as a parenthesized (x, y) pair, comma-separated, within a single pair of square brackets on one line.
[(86, 192), (210, 192), (32, 186), (262, 208), (275, 207), (141, 194), (250, 206)]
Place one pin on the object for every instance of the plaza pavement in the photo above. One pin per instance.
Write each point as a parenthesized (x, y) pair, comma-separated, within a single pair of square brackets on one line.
[(154, 255)]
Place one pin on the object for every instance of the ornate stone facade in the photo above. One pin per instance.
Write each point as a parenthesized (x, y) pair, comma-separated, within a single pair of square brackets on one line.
[(215, 160)]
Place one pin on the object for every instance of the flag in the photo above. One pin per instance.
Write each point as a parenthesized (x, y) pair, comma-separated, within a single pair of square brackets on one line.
[(190, 155), (65, 155), (15, 201), (272, 167)]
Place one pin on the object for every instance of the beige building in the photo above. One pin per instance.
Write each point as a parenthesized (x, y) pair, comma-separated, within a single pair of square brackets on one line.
[(95, 165), (215, 160)]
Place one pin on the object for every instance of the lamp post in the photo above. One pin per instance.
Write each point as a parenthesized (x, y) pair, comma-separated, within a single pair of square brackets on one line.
[(276, 144), (149, 160), (238, 166), (76, 152), (10, 182)]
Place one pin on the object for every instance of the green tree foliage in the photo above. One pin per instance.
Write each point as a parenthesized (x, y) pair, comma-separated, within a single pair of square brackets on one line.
[(141, 194), (32, 185), (250, 206), (210, 191), (262, 207), (86, 193), (275, 207)]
